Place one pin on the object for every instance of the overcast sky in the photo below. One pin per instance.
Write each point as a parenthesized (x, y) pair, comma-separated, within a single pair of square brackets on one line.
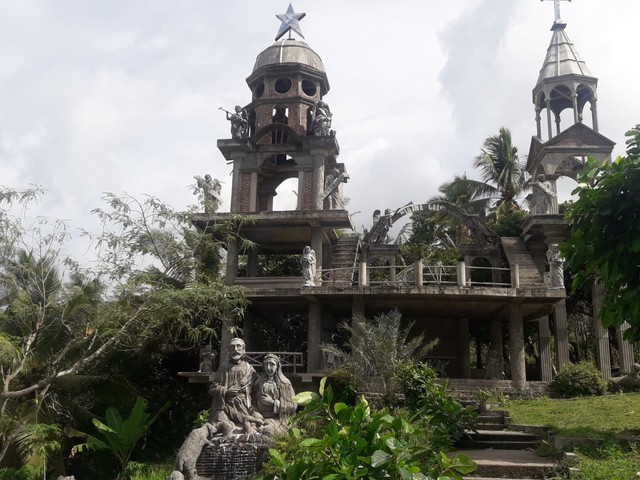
[(123, 95)]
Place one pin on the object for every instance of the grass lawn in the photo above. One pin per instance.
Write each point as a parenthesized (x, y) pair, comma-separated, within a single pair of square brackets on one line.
[(588, 417)]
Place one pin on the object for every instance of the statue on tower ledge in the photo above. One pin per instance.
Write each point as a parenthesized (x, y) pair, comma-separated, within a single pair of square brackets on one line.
[(239, 122), (321, 124)]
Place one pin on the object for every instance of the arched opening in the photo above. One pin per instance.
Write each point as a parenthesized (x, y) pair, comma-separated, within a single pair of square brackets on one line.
[(286, 197), (280, 115)]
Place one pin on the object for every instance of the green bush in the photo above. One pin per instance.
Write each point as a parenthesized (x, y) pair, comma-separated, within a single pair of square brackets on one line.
[(332, 440), (579, 380), (426, 397), (26, 472)]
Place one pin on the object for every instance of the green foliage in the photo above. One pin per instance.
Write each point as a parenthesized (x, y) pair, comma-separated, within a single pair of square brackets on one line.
[(336, 441), (608, 461), (26, 472), (144, 471), (605, 234), (579, 380), (120, 435), (508, 224), (376, 347), (428, 398)]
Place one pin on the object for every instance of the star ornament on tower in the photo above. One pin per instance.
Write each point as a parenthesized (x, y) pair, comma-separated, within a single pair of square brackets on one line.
[(289, 22)]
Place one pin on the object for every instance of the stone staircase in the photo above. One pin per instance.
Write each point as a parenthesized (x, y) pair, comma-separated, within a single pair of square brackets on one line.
[(503, 453), (343, 264), (517, 254)]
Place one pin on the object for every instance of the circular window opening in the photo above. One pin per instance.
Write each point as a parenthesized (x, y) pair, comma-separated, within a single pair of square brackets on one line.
[(282, 85), (309, 88), (259, 90)]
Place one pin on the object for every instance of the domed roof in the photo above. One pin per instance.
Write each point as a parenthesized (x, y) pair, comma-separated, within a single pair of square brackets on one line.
[(288, 51)]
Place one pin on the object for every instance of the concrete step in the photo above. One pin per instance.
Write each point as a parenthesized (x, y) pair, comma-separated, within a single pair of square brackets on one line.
[(498, 439), (509, 464)]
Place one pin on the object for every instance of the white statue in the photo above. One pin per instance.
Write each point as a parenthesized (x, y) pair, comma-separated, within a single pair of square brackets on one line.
[(308, 264), (542, 195), (556, 267)]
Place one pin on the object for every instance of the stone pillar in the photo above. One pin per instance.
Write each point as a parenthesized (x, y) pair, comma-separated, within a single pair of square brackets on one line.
[(594, 113), (316, 245), (625, 349), (574, 101), (419, 272), (496, 348), (538, 126), (232, 262), (516, 347), (392, 270), (603, 355), (464, 361), (549, 127), (561, 334), (544, 345), (252, 262), (314, 338), (318, 180)]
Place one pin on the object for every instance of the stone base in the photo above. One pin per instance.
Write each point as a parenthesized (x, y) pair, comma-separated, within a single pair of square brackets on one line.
[(235, 457)]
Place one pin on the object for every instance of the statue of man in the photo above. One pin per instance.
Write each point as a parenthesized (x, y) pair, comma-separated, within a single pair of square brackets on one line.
[(239, 122), (211, 189), (231, 391), (556, 267), (322, 116), (541, 197)]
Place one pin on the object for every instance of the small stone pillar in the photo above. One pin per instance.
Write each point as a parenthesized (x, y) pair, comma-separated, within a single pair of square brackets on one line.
[(625, 348), (603, 354), (462, 274), (516, 347), (544, 345), (464, 360), (562, 336)]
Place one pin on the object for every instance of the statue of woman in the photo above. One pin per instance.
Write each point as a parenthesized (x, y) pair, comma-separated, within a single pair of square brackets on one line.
[(273, 396), (308, 264)]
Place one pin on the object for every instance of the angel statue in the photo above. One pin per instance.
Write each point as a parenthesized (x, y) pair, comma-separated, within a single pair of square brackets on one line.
[(211, 191), (542, 195)]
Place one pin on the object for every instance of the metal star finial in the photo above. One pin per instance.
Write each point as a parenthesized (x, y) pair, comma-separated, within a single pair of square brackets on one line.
[(289, 22)]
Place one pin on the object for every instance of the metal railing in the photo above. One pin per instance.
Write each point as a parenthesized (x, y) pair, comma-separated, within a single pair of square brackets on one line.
[(290, 361)]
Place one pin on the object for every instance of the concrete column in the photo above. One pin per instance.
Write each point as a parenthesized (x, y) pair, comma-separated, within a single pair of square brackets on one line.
[(495, 347), (561, 334), (253, 195), (314, 338), (318, 180), (603, 355), (516, 347), (464, 360), (594, 113), (363, 281), (625, 349), (232, 262), (574, 101), (316, 245), (544, 345), (462, 274), (538, 126), (252, 262), (549, 127), (419, 272), (392, 270)]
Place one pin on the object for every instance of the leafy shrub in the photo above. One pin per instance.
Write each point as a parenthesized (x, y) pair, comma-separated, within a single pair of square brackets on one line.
[(336, 441), (428, 398), (579, 380), (26, 472)]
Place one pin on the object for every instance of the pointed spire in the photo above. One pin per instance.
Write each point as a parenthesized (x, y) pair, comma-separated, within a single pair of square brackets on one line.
[(562, 57)]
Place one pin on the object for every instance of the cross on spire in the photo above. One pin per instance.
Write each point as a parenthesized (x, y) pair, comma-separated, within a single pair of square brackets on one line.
[(557, 9)]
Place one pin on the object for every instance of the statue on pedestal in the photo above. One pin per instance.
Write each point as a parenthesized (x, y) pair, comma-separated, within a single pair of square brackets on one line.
[(542, 195), (321, 123), (239, 122), (247, 409), (211, 189), (556, 267), (308, 264)]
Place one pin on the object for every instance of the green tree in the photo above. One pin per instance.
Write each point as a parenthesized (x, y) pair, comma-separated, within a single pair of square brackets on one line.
[(605, 234), (155, 278), (375, 349)]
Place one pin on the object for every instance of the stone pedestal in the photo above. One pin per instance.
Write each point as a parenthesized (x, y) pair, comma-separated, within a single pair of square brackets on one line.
[(236, 457)]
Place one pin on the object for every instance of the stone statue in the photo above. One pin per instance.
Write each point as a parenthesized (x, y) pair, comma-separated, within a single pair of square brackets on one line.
[(630, 381), (211, 189), (556, 267), (207, 357), (246, 412), (308, 264), (273, 397), (239, 122), (332, 189), (321, 123), (379, 232), (542, 195), (231, 407)]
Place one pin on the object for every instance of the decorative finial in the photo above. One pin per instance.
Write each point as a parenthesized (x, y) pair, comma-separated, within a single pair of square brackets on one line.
[(557, 9), (289, 22)]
